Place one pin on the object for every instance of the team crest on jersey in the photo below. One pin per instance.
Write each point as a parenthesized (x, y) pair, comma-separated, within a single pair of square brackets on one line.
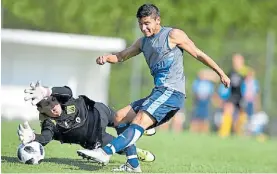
[(53, 121), (71, 109)]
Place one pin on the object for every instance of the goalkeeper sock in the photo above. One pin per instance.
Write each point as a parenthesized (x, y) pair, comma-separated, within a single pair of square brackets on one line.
[(126, 139)]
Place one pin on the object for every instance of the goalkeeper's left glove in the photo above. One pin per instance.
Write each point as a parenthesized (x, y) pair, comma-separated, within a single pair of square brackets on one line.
[(25, 133)]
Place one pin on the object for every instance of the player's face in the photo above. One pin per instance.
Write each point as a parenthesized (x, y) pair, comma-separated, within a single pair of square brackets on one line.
[(50, 107), (238, 62), (149, 25), (56, 110)]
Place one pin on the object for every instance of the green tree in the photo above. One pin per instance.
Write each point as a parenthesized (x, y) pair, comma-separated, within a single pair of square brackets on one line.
[(219, 27)]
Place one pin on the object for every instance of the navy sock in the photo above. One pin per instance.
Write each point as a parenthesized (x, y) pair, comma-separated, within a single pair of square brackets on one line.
[(132, 157), (126, 139), (131, 151)]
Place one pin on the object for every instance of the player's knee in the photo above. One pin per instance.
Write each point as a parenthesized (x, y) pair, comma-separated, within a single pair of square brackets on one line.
[(117, 120), (144, 120), (125, 115)]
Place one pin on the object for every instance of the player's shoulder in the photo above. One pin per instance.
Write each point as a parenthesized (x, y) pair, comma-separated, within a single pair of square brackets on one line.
[(176, 32), (140, 40), (47, 122)]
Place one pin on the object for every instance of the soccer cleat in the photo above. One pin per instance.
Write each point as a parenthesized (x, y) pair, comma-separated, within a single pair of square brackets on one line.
[(127, 168), (150, 132), (97, 155), (145, 156)]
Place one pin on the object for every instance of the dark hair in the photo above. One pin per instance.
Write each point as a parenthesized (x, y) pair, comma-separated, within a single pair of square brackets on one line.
[(148, 10)]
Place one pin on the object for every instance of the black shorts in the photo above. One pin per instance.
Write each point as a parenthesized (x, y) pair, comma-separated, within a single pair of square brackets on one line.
[(236, 100), (107, 120), (106, 115)]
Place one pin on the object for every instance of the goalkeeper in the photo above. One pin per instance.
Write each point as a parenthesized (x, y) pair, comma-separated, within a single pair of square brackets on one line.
[(68, 120)]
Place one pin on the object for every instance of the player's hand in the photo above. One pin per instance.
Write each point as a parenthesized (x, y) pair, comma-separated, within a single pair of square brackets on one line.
[(25, 133), (225, 80), (36, 93), (101, 60)]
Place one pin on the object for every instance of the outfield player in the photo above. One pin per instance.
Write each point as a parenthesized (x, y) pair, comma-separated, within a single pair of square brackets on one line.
[(163, 50), (68, 120), (203, 90)]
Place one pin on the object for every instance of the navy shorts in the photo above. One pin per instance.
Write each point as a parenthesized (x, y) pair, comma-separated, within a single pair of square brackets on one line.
[(162, 104)]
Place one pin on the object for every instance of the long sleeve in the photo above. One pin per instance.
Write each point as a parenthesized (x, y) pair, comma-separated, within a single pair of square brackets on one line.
[(48, 131), (45, 137)]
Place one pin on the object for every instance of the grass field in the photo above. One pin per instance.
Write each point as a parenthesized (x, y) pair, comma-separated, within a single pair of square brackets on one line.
[(174, 153)]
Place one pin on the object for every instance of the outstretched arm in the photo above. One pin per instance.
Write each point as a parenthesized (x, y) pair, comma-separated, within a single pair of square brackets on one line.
[(179, 38), (121, 56), (26, 134), (44, 138), (48, 130)]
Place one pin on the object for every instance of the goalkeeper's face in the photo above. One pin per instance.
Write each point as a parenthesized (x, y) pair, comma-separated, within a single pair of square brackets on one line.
[(50, 107)]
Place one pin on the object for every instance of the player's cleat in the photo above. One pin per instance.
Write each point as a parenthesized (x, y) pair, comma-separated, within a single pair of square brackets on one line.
[(150, 132), (97, 155), (145, 156), (127, 168)]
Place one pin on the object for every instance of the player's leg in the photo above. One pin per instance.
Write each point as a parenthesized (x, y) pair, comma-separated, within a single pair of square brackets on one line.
[(240, 121), (124, 115), (162, 102), (127, 114), (227, 120), (112, 119), (198, 114), (143, 155), (178, 121), (153, 110), (204, 120)]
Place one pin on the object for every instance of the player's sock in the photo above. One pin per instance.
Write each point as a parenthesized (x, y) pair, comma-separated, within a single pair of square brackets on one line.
[(119, 129), (226, 125), (131, 151), (132, 157), (126, 139)]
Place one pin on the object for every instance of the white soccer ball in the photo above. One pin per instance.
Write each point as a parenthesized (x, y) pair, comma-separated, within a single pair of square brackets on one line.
[(31, 153)]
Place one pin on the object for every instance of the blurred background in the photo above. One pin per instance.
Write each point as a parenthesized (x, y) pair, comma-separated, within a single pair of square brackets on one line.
[(57, 41)]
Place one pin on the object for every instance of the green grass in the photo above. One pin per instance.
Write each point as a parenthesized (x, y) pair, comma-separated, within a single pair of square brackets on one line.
[(174, 153)]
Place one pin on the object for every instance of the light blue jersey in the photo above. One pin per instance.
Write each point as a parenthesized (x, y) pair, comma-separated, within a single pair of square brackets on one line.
[(166, 64)]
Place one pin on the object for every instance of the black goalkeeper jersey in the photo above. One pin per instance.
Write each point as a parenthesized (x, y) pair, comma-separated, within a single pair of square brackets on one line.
[(236, 82), (79, 122)]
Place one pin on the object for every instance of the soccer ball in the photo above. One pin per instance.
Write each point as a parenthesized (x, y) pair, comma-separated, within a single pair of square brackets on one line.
[(31, 153)]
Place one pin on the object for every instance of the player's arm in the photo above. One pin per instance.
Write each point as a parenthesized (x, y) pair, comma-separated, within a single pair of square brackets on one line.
[(179, 38), (26, 133), (48, 130), (121, 56), (45, 137)]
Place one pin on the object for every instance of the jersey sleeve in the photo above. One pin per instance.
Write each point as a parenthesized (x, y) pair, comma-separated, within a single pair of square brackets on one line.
[(48, 130)]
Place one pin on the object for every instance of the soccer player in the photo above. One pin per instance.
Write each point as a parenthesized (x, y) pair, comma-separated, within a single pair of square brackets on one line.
[(163, 50), (203, 90), (233, 111), (250, 92), (68, 120)]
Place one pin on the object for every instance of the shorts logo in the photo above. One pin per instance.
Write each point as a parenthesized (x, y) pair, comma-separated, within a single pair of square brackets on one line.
[(145, 102), (71, 109)]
